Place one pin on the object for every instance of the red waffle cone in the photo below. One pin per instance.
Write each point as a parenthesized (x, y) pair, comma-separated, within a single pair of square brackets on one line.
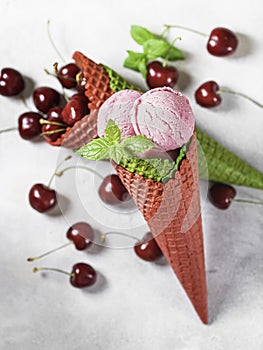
[(173, 214), (97, 87)]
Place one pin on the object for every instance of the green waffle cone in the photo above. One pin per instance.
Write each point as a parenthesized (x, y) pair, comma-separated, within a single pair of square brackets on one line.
[(224, 166), (117, 82)]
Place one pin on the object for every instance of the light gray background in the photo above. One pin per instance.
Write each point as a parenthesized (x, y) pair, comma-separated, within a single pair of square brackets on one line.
[(136, 304)]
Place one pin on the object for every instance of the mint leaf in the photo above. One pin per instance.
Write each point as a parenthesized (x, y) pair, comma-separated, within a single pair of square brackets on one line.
[(141, 34), (143, 67), (134, 145), (116, 153), (95, 150), (134, 60), (154, 48), (174, 54), (112, 131)]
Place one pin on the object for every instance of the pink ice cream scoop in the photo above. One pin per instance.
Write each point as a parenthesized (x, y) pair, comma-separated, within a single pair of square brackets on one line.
[(164, 116), (117, 107)]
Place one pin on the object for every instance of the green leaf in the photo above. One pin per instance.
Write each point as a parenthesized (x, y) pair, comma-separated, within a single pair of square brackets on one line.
[(134, 60), (116, 153), (174, 54), (95, 150), (141, 34), (154, 48), (143, 67), (134, 145), (112, 131)]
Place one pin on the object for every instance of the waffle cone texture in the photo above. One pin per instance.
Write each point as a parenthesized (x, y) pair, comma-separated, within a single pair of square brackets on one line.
[(173, 214)]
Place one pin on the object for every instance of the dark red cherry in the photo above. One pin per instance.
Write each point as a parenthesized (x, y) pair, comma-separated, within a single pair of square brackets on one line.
[(80, 97), (147, 249), (28, 125), (11, 82), (222, 42), (45, 98), (159, 76), (207, 94), (221, 195), (83, 275), (49, 134), (81, 234), (67, 75), (54, 114), (112, 191), (42, 198), (74, 111)]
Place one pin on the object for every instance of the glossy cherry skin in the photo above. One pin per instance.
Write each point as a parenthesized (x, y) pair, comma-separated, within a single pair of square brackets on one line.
[(221, 195), (147, 249), (159, 76), (112, 191), (28, 125), (83, 275), (207, 95), (67, 75), (11, 82), (54, 114), (42, 198), (74, 111), (222, 42), (45, 98), (80, 97), (81, 234)]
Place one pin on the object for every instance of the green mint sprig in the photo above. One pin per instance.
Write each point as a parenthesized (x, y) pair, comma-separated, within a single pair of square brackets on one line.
[(111, 147), (154, 46)]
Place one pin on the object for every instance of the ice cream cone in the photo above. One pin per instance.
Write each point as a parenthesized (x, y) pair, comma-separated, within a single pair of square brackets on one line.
[(172, 211)]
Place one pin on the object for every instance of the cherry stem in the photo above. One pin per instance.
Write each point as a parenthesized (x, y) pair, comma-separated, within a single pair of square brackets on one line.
[(51, 132), (225, 91), (50, 252), (59, 165), (168, 26), (246, 201), (49, 122), (36, 269), (52, 42), (61, 172), (172, 43), (56, 75), (8, 129), (104, 235)]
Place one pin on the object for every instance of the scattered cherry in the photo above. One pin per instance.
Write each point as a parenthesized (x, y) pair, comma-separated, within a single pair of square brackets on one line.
[(112, 191), (42, 198), (207, 94), (147, 249), (67, 75), (81, 82), (159, 75), (54, 114), (222, 195), (81, 234), (81, 275), (222, 42), (11, 82), (80, 97), (45, 98), (74, 110), (29, 126)]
